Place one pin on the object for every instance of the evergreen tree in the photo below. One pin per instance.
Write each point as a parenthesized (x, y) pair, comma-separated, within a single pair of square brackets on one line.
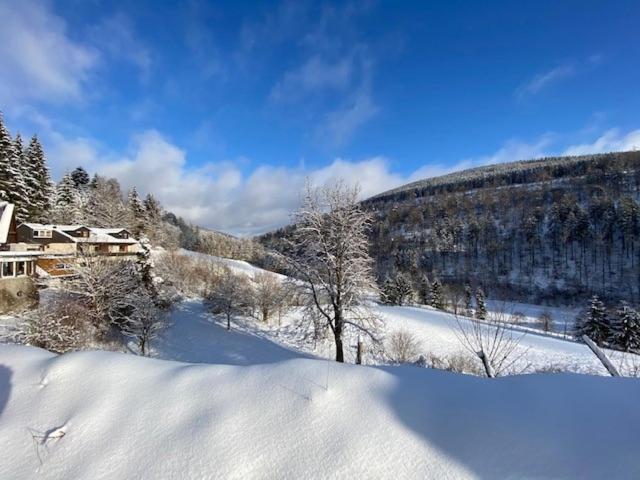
[(424, 290), (481, 306), (404, 291), (66, 209), (136, 212), (80, 177), (6, 162), (38, 182), (594, 323), (437, 297), (22, 198), (626, 329), (468, 308), (153, 210), (388, 292)]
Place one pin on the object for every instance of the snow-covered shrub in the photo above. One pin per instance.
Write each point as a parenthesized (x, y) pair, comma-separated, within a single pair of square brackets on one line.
[(59, 326), (144, 322), (459, 363), (403, 347)]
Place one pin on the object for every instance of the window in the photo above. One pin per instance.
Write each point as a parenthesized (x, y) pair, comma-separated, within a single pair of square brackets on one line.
[(42, 234), (7, 269), (21, 269), (123, 248)]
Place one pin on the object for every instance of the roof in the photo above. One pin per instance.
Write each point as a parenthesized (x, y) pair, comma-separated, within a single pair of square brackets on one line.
[(96, 235), (6, 214)]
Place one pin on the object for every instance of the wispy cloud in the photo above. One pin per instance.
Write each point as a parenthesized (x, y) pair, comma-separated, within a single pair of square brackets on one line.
[(115, 35), (38, 59), (562, 72), (612, 140)]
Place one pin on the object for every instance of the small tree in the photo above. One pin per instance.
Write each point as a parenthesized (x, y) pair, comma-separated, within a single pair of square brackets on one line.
[(594, 322), (403, 347), (437, 296), (268, 295), (468, 303), (481, 306), (397, 291), (229, 295), (388, 292), (546, 321), (144, 322), (424, 290), (626, 329)]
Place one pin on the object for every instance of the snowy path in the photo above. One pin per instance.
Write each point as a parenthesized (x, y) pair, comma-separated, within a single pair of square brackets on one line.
[(195, 337)]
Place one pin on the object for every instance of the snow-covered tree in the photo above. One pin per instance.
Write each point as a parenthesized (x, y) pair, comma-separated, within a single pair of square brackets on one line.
[(424, 290), (7, 154), (22, 198), (38, 182), (136, 212), (229, 295), (268, 295), (481, 306), (80, 177), (106, 207), (437, 296), (397, 291), (329, 254), (468, 307), (66, 208), (145, 320), (595, 322), (626, 329)]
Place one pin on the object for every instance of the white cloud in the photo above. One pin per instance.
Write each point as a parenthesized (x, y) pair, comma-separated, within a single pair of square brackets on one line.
[(221, 196), (611, 141), (557, 74), (38, 59)]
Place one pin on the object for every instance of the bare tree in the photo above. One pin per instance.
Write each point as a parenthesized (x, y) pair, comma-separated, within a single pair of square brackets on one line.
[(268, 295), (229, 295), (329, 253), (492, 341), (144, 322)]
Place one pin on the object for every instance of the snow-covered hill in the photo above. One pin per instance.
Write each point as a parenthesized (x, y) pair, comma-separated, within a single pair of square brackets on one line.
[(106, 415)]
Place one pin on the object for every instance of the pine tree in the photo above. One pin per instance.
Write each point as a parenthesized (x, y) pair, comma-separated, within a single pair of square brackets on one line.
[(80, 177), (404, 292), (626, 329), (437, 298), (153, 211), (481, 306), (136, 212), (424, 290), (388, 292), (468, 308), (6, 162), (594, 323), (38, 182), (66, 208), (22, 199)]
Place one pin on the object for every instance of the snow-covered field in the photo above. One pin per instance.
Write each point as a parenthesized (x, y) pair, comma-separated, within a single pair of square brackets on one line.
[(108, 415), (253, 402)]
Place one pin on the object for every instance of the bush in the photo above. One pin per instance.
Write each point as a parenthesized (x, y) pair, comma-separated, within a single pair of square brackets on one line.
[(459, 363), (403, 347), (546, 321)]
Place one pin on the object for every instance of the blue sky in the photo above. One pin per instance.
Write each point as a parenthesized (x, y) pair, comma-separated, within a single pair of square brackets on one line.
[(223, 109)]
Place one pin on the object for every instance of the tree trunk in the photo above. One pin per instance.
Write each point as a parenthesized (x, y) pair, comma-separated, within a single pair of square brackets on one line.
[(228, 322)]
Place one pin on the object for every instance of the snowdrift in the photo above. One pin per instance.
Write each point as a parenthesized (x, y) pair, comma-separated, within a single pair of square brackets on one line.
[(107, 415)]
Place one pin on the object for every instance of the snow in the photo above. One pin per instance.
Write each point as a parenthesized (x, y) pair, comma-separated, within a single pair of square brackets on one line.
[(6, 214), (237, 266), (109, 415)]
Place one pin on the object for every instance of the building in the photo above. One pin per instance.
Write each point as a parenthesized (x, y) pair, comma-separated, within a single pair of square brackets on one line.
[(75, 239), (17, 266)]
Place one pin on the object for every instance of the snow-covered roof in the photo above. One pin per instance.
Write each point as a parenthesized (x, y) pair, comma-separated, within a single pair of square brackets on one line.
[(6, 213), (96, 235)]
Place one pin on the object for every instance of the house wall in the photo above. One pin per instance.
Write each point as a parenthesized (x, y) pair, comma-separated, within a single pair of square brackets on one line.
[(65, 248), (25, 234), (17, 294)]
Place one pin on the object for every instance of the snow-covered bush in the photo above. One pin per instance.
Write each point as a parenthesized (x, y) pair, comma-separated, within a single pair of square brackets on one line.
[(403, 347), (546, 321), (145, 321), (459, 363), (59, 326)]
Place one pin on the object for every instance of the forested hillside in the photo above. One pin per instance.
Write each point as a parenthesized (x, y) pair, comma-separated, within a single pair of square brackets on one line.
[(554, 229)]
